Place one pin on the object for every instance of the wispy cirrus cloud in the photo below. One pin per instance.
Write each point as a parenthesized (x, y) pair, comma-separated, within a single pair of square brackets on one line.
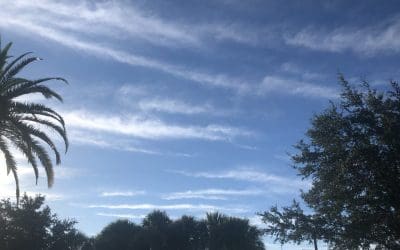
[(186, 206), (275, 183), (82, 137), (49, 21), (27, 23), (107, 18), (212, 194), (174, 107), (145, 100), (126, 216), (278, 84), (146, 128), (369, 40), (123, 193), (115, 19)]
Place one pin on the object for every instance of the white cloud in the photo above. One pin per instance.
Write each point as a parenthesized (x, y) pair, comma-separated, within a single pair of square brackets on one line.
[(81, 137), (124, 193), (145, 206), (275, 183), (174, 107), (382, 37), (126, 216), (147, 128), (25, 24), (113, 19), (277, 84), (211, 194), (107, 18)]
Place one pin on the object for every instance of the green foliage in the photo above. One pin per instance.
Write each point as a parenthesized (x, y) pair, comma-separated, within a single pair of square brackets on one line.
[(158, 232), (352, 156), (230, 233), (117, 235), (292, 225), (31, 225), (21, 122)]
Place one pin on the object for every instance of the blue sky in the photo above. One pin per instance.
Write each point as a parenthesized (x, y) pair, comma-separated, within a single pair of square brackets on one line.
[(191, 106)]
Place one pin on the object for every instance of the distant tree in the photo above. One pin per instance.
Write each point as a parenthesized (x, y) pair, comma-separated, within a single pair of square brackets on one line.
[(352, 156), (31, 225), (21, 122), (156, 225), (88, 244), (187, 233), (292, 225), (64, 236), (118, 235), (230, 233)]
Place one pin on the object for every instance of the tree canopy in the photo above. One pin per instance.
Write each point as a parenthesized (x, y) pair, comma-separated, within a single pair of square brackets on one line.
[(352, 156), (159, 232), (32, 225)]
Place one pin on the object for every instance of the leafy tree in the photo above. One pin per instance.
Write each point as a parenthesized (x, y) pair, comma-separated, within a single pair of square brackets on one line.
[(352, 157), (187, 233), (292, 225), (230, 233), (118, 235), (156, 225), (64, 236), (159, 232), (31, 225), (21, 122)]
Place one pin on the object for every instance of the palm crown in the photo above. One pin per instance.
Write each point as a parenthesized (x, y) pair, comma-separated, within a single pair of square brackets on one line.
[(24, 125)]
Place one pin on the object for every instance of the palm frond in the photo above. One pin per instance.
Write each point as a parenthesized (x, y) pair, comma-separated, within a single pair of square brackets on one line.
[(37, 109), (45, 160), (23, 143), (61, 131), (12, 63), (10, 72), (27, 129), (24, 83), (11, 164), (40, 89), (4, 56)]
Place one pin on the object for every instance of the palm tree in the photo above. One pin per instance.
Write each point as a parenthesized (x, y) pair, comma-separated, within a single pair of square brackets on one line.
[(23, 124)]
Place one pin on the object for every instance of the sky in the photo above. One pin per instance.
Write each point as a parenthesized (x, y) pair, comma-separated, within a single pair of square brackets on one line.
[(190, 106)]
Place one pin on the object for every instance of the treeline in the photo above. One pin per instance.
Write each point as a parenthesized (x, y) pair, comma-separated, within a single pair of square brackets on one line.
[(32, 225)]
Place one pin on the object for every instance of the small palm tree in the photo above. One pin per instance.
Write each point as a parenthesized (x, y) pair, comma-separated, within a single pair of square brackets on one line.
[(22, 123)]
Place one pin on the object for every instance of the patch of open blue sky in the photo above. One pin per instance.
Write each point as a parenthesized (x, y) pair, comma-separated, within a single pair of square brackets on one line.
[(192, 106)]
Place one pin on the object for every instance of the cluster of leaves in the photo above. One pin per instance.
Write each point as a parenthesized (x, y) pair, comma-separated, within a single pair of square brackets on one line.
[(31, 225), (159, 232), (352, 156)]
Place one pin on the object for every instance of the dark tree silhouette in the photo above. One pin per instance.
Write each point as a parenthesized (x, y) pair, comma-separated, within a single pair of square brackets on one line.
[(156, 225), (31, 225), (159, 232), (187, 233), (230, 233), (352, 156), (21, 122), (292, 225), (118, 235)]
